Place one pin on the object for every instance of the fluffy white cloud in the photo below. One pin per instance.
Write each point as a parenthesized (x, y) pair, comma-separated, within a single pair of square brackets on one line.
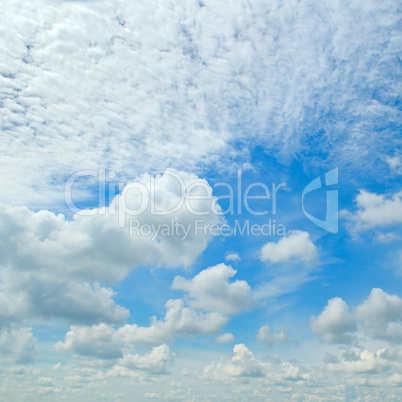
[(178, 321), (44, 296), (105, 244), (97, 341), (296, 244), (378, 317), (244, 364), (51, 267), (335, 323), (376, 211), (381, 316), (357, 360), (265, 335), (155, 361), (210, 290), (103, 341)]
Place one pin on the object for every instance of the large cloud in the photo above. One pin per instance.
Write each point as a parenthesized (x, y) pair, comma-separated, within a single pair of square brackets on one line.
[(105, 342), (105, 244), (54, 268)]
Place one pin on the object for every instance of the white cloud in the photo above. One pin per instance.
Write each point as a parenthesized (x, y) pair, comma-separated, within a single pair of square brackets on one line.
[(178, 321), (395, 164), (115, 237), (265, 335), (232, 257), (376, 210), (155, 361), (244, 364), (297, 245), (378, 317), (357, 360), (17, 345), (52, 267), (386, 237), (381, 315), (225, 338), (335, 323), (98, 341), (210, 290), (93, 76), (43, 296), (103, 341)]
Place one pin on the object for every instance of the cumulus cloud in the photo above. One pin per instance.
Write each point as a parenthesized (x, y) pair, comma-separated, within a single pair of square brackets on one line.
[(335, 323), (210, 290), (42, 296), (155, 361), (376, 211), (378, 317), (105, 244), (17, 345), (52, 267), (296, 245), (358, 360), (103, 341), (381, 316), (179, 320), (244, 364), (265, 335), (96, 341)]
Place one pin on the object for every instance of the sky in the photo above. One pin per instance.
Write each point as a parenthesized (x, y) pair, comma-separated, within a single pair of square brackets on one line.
[(200, 200)]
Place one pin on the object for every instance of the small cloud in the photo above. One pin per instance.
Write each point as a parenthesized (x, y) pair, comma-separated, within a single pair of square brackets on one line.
[(225, 338), (297, 245), (232, 257), (269, 338), (395, 164), (386, 237), (57, 366)]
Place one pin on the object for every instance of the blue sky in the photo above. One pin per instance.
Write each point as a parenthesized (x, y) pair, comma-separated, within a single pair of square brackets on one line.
[(124, 125)]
